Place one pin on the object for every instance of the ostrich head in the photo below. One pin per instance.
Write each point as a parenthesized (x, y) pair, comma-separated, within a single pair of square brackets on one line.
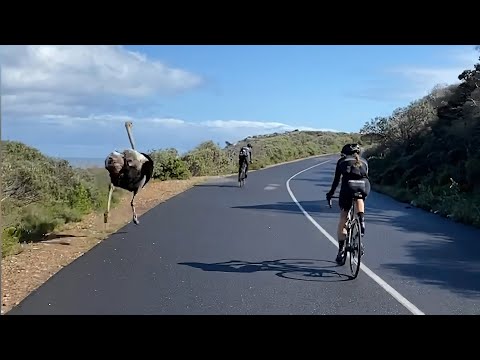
[(128, 126)]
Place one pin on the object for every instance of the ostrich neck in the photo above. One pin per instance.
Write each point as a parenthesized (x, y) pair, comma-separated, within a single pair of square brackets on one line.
[(130, 137)]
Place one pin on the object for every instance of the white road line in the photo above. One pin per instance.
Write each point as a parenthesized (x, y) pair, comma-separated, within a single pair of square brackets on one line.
[(401, 299), (271, 187)]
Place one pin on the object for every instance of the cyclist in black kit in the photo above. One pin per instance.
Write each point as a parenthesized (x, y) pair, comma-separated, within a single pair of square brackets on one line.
[(353, 169), (245, 154)]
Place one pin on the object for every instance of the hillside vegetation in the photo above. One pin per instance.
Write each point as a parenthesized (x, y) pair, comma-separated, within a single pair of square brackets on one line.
[(39, 193), (209, 159), (428, 152)]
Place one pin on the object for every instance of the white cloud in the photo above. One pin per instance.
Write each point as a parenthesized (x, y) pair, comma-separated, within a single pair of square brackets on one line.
[(239, 124), (423, 79), (260, 127), (170, 122), (80, 79), (418, 81), (96, 136), (247, 127)]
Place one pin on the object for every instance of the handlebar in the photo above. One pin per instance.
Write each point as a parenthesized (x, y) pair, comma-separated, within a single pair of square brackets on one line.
[(330, 201)]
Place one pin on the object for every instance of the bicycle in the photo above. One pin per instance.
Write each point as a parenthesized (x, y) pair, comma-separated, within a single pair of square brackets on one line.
[(354, 240), (241, 177)]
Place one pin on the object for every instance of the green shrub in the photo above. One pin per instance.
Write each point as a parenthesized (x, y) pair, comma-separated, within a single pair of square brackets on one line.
[(168, 165), (40, 193), (10, 241), (209, 159)]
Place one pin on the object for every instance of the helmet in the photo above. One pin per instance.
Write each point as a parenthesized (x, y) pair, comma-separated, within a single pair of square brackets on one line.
[(249, 145), (350, 149)]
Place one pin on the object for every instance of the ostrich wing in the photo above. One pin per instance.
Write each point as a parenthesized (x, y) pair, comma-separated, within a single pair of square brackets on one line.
[(134, 159)]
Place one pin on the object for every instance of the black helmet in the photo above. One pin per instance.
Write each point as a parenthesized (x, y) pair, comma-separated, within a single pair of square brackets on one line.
[(249, 145), (350, 149)]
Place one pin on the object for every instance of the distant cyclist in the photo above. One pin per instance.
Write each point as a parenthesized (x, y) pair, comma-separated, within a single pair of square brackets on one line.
[(353, 169), (245, 154)]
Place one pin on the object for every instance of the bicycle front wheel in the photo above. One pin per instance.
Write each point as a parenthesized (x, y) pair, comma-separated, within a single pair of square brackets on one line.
[(355, 248)]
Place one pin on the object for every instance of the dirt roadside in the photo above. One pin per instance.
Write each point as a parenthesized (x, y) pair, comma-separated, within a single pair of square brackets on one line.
[(38, 261)]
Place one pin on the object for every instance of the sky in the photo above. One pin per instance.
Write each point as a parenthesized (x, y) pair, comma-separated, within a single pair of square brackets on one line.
[(72, 101)]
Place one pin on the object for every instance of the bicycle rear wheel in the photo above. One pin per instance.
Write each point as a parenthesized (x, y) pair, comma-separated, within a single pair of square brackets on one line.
[(355, 250)]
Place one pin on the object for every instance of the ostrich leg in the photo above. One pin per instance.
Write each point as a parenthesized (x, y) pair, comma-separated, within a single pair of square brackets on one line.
[(140, 185), (105, 216)]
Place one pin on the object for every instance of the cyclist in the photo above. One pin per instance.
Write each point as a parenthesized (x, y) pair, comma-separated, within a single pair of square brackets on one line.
[(245, 154), (354, 172)]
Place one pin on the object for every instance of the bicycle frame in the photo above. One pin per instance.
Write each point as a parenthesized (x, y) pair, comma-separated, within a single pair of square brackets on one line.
[(351, 214), (351, 246)]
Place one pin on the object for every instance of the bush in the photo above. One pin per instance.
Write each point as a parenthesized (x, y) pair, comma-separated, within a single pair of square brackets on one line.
[(10, 241), (209, 159), (168, 165), (39, 193)]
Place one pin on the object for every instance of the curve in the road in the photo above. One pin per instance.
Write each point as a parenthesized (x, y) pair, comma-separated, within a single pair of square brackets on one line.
[(399, 297), (188, 258)]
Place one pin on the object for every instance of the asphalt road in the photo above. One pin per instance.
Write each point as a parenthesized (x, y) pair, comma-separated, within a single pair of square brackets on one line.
[(219, 249)]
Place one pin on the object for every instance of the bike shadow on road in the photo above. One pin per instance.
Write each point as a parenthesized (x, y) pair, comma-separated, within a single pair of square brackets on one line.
[(293, 269)]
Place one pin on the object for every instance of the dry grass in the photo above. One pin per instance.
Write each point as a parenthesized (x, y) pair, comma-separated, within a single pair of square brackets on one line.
[(24, 272)]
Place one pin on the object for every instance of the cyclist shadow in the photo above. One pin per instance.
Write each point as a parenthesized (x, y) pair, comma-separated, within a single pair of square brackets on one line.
[(293, 269)]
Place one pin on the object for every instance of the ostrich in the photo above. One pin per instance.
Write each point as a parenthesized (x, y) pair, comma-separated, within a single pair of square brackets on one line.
[(129, 170)]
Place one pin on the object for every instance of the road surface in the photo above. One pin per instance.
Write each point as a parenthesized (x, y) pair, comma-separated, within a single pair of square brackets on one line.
[(267, 249)]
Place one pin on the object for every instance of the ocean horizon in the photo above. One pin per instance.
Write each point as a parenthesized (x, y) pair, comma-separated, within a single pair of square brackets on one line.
[(82, 162)]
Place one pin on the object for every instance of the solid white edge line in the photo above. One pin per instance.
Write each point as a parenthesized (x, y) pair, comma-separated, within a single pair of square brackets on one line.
[(400, 298)]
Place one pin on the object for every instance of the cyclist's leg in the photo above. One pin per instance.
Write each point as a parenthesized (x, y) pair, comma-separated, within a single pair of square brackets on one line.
[(246, 169), (240, 161), (360, 203), (345, 203), (341, 229)]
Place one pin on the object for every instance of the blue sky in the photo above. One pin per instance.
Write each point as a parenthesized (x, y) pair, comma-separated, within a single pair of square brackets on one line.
[(71, 101)]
